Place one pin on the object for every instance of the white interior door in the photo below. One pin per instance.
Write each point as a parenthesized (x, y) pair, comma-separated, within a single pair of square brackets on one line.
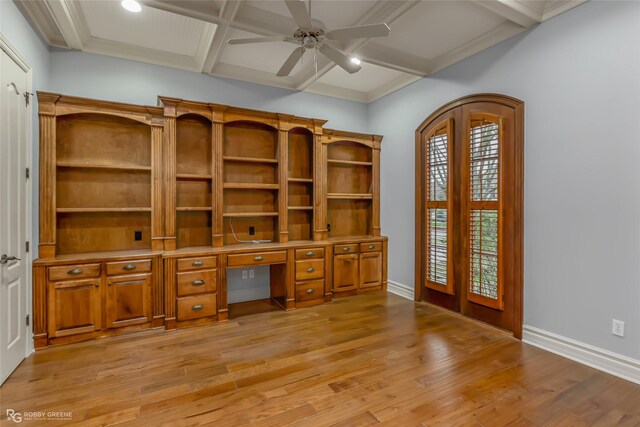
[(13, 186)]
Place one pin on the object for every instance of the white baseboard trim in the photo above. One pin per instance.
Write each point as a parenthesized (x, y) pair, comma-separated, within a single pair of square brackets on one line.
[(250, 294), (400, 289), (598, 358)]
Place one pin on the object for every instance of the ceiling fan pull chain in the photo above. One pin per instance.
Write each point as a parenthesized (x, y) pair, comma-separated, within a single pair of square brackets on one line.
[(315, 56)]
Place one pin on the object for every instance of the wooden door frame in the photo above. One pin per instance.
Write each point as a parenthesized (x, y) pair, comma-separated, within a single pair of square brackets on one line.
[(15, 56), (518, 237)]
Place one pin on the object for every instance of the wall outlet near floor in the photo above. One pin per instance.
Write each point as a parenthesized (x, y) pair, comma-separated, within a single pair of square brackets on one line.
[(244, 274), (252, 230), (617, 328), (252, 273)]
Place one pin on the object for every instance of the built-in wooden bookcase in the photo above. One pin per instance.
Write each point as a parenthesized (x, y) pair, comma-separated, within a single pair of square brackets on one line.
[(353, 165), (300, 184), (251, 182), (193, 181), (99, 181)]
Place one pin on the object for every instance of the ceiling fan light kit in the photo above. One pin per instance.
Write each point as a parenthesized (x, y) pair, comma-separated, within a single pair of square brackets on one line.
[(310, 37)]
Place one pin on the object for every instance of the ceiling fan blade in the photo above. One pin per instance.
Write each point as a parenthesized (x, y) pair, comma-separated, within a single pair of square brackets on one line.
[(339, 58), (291, 62), (256, 40), (298, 10), (360, 32)]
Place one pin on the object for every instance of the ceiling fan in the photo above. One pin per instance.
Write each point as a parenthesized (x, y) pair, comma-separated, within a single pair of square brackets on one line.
[(310, 36)]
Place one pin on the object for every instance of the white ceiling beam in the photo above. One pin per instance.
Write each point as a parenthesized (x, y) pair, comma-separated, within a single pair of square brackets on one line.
[(63, 15), (219, 41), (202, 10), (383, 11), (504, 31), (512, 10), (393, 59), (554, 8), (39, 15)]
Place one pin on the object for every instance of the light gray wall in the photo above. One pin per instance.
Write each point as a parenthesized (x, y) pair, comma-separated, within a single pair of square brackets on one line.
[(579, 76), (17, 30), (112, 79)]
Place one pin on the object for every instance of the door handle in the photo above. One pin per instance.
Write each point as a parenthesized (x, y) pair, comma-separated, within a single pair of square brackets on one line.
[(5, 259)]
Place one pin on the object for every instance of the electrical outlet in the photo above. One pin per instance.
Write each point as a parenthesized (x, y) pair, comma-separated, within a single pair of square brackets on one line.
[(252, 273), (252, 230), (137, 235), (244, 274), (618, 328)]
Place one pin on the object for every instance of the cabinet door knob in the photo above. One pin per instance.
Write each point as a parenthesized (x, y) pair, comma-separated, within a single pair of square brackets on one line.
[(197, 307), (74, 272), (197, 282), (310, 270), (371, 246), (110, 283), (311, 253), (197, 263), (346, 248), (129, 267), (310, 291), (258, 258)]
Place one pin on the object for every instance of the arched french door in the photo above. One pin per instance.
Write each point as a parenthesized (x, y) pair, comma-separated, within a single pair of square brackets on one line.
[(469, 209)]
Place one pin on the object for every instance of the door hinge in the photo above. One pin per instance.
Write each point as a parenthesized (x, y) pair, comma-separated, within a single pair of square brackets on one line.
[(27, 173), (27, 99), (28, 319), (27, 246)]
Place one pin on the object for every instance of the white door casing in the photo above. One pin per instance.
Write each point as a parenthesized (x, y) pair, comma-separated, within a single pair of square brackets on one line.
[(14, 280)]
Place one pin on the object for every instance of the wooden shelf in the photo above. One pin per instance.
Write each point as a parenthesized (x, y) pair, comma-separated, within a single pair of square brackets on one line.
[(89, 210), (250, 186), (98, 166), (346, 196), (300, 208), (348, 162), (193, 176), (248, 159), (193, 209), (248, 214), (309, 180)]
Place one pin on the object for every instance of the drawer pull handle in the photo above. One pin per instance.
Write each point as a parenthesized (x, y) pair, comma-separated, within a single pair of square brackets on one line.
[(75, 271), (310, 291), (371, 246), (197, 263), (197, 307), (311, 253), (197, 282), (258, 258), (129, 267), (346, 248), (310, 270)]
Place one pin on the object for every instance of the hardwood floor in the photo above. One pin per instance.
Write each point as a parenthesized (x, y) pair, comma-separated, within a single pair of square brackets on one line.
[(363, 360)]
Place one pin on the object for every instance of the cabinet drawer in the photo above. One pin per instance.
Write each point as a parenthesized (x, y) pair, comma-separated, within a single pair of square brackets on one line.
[(345, 249), (256, 258), (196, 282), (72, 272), (128, 267), (309, 253), (310, 269), (311, 290), (198, 263), (371, 247), (196, 306)]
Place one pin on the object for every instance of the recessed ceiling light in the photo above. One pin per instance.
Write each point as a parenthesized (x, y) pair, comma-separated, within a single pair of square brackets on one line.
[(131, 5), (353, 59)]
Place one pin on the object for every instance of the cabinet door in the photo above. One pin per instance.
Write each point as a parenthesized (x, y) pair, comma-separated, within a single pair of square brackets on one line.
[(128, 300), (345, 272), (370, 269), (74, 307)]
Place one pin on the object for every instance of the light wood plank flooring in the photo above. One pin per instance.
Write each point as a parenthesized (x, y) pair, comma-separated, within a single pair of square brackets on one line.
[(372, 359)]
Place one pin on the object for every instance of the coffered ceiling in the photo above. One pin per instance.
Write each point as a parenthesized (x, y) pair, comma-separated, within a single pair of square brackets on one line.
[(426, 36)]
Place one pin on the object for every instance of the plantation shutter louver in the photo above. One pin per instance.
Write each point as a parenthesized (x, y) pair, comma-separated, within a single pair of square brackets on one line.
[(484, 284), (438, 177)]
